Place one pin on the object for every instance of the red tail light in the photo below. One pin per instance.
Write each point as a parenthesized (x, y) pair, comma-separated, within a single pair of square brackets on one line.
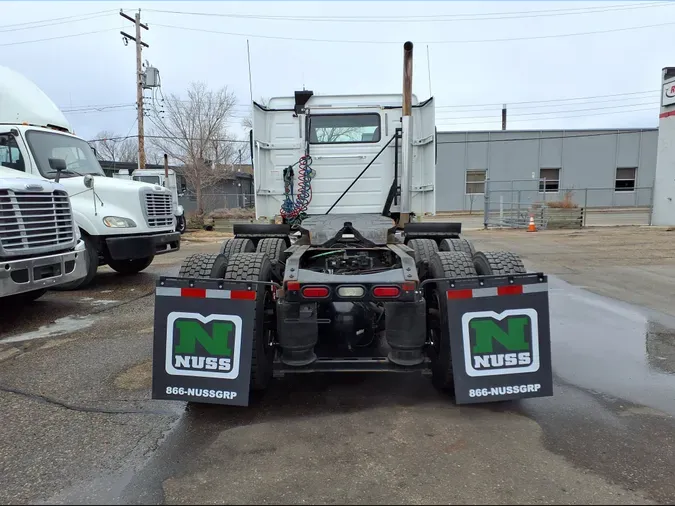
[(409, 286), (386, 291), (292, 286), (315, 292)]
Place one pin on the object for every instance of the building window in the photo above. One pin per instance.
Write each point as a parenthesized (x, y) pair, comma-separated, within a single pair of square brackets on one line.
[(475, 181), (625, 179), (344, 128), (549, 180)]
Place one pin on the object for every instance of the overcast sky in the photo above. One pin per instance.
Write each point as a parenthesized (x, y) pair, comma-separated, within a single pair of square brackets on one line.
[(97, 69)]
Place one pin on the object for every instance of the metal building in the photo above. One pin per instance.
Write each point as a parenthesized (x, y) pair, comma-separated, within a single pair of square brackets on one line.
[(594, 168)]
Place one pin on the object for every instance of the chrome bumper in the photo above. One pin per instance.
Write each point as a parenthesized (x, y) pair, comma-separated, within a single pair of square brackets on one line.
[(20, 276)]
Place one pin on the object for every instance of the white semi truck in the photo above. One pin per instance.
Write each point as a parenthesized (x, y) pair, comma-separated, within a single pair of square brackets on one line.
[(123, 224), (40, 245), (365, 286)]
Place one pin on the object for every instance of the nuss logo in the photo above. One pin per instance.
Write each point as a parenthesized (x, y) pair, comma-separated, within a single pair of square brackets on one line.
[(206, 347), (500, 343)]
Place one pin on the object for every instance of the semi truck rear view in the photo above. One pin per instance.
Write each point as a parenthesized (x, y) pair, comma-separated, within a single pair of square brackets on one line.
[(350, 278)]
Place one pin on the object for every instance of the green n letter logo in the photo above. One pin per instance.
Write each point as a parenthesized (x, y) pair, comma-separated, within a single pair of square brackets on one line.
[(487, 331), (190, 332)]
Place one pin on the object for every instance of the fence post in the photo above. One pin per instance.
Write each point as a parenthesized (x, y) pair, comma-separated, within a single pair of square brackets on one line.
[(583, 224), (486, 203), (544, 190), (501, 210), (518, 215)]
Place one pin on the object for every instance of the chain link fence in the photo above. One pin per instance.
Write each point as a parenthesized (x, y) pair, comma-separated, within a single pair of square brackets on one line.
[(511, 204), (226, 203)]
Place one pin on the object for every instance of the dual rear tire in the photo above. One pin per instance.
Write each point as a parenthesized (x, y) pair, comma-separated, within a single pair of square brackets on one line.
[(456, 265), (239, 261)]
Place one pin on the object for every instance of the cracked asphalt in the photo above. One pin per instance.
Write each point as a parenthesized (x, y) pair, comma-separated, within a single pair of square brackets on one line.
[(78, 425)]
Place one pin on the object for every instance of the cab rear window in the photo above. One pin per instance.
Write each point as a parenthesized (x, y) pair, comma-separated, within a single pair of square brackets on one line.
[(344, 128)]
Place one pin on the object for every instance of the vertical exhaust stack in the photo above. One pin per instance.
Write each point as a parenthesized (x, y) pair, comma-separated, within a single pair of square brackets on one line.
[(407, 134), (407, 78)]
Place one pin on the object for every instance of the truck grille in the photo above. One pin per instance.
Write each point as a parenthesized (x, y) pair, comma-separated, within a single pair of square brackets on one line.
[(158, 209), (34, 222)]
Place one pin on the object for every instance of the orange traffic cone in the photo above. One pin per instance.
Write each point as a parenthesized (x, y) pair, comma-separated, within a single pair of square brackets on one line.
[(531, 227)]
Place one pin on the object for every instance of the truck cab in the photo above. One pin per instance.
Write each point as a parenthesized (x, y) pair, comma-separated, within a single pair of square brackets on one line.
[(342, 133), (123, 224)]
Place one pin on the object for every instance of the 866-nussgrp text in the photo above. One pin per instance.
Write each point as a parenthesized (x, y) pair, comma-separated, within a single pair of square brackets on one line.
[(201, 392), (516, 389)]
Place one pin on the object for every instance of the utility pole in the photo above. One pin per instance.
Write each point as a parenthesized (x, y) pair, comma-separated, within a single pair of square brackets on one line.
[(139, 80)]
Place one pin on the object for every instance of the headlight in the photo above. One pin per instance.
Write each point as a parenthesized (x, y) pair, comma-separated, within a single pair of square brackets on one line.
[(118, 222)]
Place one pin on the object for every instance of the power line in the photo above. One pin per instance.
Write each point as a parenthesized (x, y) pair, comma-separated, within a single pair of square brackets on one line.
[(169, 137), (58, 37), (104, 108), (511, 104), (473, 141), (55, 19), (241, 110), (430, 18), (551, 118), (503, 132), (555, 112), (52, 23), (467, 41)]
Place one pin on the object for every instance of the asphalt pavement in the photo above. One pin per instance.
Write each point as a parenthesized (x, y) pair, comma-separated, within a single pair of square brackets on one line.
[(78, 424)]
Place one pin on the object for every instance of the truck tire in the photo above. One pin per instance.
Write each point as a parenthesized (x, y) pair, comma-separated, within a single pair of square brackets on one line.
[(273, 247), (219, 266), (497, 262), (235, 245), (457, 245), (445, 264), (92, 267), (130, 266), (424, 250), (181, 224), (198, 265), (257, 267)]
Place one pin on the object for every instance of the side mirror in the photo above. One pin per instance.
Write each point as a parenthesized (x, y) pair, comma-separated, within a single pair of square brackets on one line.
[(58, 165)]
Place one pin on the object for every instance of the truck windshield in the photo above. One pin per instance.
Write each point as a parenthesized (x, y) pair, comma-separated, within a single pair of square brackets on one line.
[(77, 153), (147, 179)]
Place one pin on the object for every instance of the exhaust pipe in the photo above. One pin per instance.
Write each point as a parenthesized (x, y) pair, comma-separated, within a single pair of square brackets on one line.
[(406, 135), (407, 78)]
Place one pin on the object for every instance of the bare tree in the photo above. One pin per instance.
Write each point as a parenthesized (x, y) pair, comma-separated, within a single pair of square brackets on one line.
[(248, 122), (194, 133), (115, 148)]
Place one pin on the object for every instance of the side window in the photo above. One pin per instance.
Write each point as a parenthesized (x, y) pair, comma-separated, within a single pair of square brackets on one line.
[(10, 156)]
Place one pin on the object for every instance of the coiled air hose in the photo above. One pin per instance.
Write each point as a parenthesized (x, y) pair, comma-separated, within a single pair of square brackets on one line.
[(294, 208)]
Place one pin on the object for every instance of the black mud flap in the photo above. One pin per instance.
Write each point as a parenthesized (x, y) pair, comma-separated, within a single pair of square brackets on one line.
[(500, 338), (202, 340)]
